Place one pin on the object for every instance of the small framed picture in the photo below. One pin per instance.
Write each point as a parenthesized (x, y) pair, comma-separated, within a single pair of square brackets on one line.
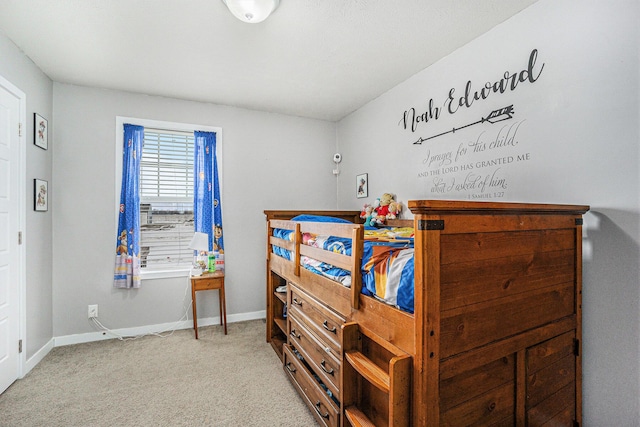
[(40, 131), (40, 196), (362, 185)]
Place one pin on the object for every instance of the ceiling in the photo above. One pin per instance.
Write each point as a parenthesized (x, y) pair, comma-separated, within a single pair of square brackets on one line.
[(312, 58)]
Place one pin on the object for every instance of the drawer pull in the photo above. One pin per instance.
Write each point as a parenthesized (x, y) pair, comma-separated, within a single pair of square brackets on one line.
[(320, 413), (326, 326), (289, 368), (293, 334), (324, 368), (296, 302)]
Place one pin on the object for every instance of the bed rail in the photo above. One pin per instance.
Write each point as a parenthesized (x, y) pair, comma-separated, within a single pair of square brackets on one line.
[(354, 232)]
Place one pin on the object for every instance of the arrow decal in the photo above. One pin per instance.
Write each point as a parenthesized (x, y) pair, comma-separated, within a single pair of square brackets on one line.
[(495, 116)]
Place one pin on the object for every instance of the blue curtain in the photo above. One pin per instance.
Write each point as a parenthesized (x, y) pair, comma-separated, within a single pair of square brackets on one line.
[(127, 263), (207, 210)]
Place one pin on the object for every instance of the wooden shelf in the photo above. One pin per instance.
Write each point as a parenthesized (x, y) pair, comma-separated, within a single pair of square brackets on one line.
[(282, 324), (276, 302), (282, 296)]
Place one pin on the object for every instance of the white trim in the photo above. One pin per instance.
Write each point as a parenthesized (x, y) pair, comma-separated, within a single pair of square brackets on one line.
[(22, 215), (154, 329), (38, 356), (159, 125)]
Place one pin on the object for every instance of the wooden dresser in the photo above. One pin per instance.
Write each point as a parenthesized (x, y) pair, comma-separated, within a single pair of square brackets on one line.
[(313, 355)]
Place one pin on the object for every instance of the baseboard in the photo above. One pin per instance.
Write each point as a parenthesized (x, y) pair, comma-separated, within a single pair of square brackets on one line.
[(151, 329), (37, 357)]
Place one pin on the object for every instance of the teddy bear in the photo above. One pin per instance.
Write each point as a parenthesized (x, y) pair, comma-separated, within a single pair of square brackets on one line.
[(381, 208)]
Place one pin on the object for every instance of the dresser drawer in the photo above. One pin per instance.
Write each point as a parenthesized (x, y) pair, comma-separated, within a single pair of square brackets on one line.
[(317, 355), (320, 320), (206, 283), (316, 399)]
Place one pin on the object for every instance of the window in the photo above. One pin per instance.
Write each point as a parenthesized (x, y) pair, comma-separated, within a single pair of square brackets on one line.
[(166, 200), (166, 194)]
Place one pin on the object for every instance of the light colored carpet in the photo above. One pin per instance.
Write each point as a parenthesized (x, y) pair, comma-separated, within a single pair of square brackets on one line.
[(218, 380)]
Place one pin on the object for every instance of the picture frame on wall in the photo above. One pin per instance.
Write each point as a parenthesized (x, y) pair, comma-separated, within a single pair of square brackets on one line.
[(362, 185), (40, 131), (40, 195)]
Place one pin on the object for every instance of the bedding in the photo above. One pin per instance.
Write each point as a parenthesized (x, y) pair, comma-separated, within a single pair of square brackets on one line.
[(387, 263)]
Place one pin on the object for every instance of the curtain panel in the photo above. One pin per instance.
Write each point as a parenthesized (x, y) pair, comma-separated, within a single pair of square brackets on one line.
[(207, 209), (127, 261)]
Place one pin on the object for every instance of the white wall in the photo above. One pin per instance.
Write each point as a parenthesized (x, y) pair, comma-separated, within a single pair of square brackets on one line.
[(267, 159), (579, 143), (38, 88)]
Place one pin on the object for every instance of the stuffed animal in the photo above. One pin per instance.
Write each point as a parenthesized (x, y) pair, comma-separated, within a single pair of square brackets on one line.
[(367, 214), (394, 209), (383, 204), (381, 208), (385, 207)]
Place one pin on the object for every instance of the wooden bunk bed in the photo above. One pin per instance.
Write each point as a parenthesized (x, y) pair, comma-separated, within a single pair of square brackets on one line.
[(494, 339)]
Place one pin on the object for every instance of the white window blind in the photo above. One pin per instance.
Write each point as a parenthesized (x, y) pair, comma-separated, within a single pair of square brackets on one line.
[(166, 200)]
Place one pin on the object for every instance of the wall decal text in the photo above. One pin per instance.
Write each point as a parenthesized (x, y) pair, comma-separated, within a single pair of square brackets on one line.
[(478, 168), (413, 120)]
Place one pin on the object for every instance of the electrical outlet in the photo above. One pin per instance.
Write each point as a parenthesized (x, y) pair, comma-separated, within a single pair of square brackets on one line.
[(93, 311)]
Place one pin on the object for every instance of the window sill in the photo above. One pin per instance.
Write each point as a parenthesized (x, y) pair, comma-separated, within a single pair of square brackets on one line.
[(163, 274)]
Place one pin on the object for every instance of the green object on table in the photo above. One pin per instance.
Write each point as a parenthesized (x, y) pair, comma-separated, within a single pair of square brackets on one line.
[(212, 262)]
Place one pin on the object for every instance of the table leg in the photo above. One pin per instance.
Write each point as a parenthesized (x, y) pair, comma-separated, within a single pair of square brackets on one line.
[(193, 306), (223, 308), (221, 296)]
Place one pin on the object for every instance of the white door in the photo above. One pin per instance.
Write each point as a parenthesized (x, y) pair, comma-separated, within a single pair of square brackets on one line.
[(9, 250)]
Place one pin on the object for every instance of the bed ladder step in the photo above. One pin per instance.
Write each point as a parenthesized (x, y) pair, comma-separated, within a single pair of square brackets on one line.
[(357, 418), (388, 370), (369, 370)]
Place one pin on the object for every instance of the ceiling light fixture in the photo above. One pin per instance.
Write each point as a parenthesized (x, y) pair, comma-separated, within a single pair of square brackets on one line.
[(251, 11)]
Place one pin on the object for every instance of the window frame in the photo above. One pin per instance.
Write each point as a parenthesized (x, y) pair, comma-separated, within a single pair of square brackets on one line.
[(168, 126)]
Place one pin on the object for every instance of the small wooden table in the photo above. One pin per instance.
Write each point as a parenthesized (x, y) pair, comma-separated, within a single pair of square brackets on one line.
[(205, 282)]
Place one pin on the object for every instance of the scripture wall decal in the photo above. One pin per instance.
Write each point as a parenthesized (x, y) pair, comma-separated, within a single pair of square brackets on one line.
[(475, 169), (462, 164)]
